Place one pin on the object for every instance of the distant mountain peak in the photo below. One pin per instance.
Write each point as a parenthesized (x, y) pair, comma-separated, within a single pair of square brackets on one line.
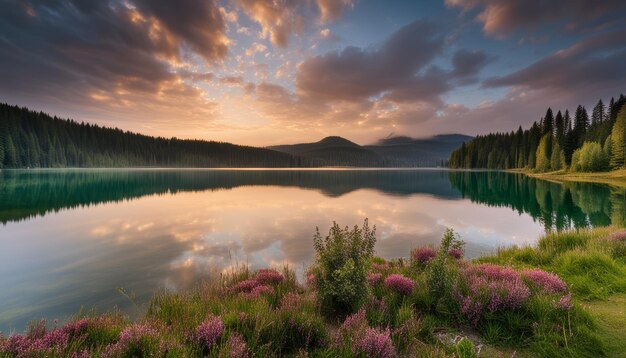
[(337, 141)]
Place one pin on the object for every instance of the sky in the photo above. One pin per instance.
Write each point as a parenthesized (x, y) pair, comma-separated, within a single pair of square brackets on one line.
[(266, 72)]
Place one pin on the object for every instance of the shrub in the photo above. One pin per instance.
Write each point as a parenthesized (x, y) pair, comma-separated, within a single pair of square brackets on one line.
[(546, 281), (137, 340), (269, 276), (342, 262), (208, 333), (374, 278), (589, 158), (400, 284), (236, 347), (423, 255), (440, 276), (356, 338)]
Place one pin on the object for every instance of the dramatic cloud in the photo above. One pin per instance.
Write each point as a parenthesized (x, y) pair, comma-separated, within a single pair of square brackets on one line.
[(400, 69), (502, 17), (356, 74), (280, 19), (595, 63), (100, 56), (332, 9)]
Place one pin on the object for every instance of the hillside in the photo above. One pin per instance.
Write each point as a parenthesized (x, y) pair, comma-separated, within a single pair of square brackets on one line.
[(389, 152), (31, 139)]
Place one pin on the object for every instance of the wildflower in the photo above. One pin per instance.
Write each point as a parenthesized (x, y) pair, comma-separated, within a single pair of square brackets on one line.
[(209, 331), (548, 282), (268, 276), (352, 326), (236, 346), (381, 266), (565, 302), (374, 278), (375, 343), (291, 301), (261, 290), (423, 255), (310, 280), (399, 283), (456, 253), (245, 286), (76, 328)]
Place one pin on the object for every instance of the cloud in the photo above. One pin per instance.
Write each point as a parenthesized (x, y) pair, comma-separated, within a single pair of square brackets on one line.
[(501, 18), (280, 19), (110, 60), (594, 63), (200, 24), (468, 63), (333, 9), (357, 74)]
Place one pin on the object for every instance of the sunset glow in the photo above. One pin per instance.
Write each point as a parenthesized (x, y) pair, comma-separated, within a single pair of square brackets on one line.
[(266, 72)]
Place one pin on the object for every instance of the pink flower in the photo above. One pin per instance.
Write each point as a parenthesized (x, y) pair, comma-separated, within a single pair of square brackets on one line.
[(375, 343), (260, 290), (381, 267), (291, 301), (565, 302), (399, 283), (269, 276), (209, 331), (423, 255), (310, 279), (548, 282), (456, 253), (245, 286), (237, 347), (374, 278)]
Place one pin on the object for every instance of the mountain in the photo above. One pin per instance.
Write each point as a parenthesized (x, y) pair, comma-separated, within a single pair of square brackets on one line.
[(334, 151), (399, 151), (424, 152)]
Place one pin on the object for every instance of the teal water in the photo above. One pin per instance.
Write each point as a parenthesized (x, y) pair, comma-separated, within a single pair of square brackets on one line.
[(73, 239)]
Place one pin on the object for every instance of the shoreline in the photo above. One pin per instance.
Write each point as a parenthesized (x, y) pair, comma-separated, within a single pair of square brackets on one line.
[(614, 178)]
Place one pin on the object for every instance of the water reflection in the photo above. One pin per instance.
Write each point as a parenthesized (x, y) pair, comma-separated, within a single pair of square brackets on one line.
[(71, 238)]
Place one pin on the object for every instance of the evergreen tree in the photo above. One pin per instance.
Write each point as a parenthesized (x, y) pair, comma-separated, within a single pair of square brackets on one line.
[(543, 158), (581, 123), (618, 141), (559, 124), (10, 153), (598, 114), (548, 123), (557, 160)]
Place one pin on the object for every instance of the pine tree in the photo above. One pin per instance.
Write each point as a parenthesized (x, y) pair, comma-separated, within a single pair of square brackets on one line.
[(557, 160), (598, 115), (10, 153), (559, 124), (618, 141), (548, 123)]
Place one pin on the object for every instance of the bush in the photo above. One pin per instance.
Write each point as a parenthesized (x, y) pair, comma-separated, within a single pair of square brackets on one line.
[(590, 158), (341, 267), (440, 275)]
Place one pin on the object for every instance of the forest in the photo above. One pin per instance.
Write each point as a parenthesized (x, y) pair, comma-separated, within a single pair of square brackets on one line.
[(576, 142), (30, 139)]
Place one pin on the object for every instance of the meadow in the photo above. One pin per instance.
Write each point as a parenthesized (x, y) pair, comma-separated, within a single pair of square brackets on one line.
[(560, 298)]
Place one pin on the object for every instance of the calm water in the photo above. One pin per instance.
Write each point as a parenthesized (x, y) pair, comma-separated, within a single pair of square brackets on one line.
[(71, 239)]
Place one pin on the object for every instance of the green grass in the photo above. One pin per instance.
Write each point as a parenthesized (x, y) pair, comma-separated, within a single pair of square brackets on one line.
[(287, 318)]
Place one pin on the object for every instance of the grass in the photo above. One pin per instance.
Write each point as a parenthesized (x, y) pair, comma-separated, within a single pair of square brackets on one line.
[(615, 177), (433, 305)]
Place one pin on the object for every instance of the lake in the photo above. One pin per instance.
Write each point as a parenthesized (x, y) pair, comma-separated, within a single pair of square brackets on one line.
[(111, 238)]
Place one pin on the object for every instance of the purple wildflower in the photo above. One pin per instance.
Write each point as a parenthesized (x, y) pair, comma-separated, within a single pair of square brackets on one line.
[(269, 276), (375, 343), (77, 328), (209, 331), (310, 279), (82, 354), (352, 326), (456, 253), (245, 286), (399, 283), (423, 255), (381, 266), (548, 282), (565, 302), (260, 290), (374, 278), (291, 301), (237, 347)]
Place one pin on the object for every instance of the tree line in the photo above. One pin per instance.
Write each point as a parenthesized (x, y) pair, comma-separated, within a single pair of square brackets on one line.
[(30, 139), (561, 141)]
